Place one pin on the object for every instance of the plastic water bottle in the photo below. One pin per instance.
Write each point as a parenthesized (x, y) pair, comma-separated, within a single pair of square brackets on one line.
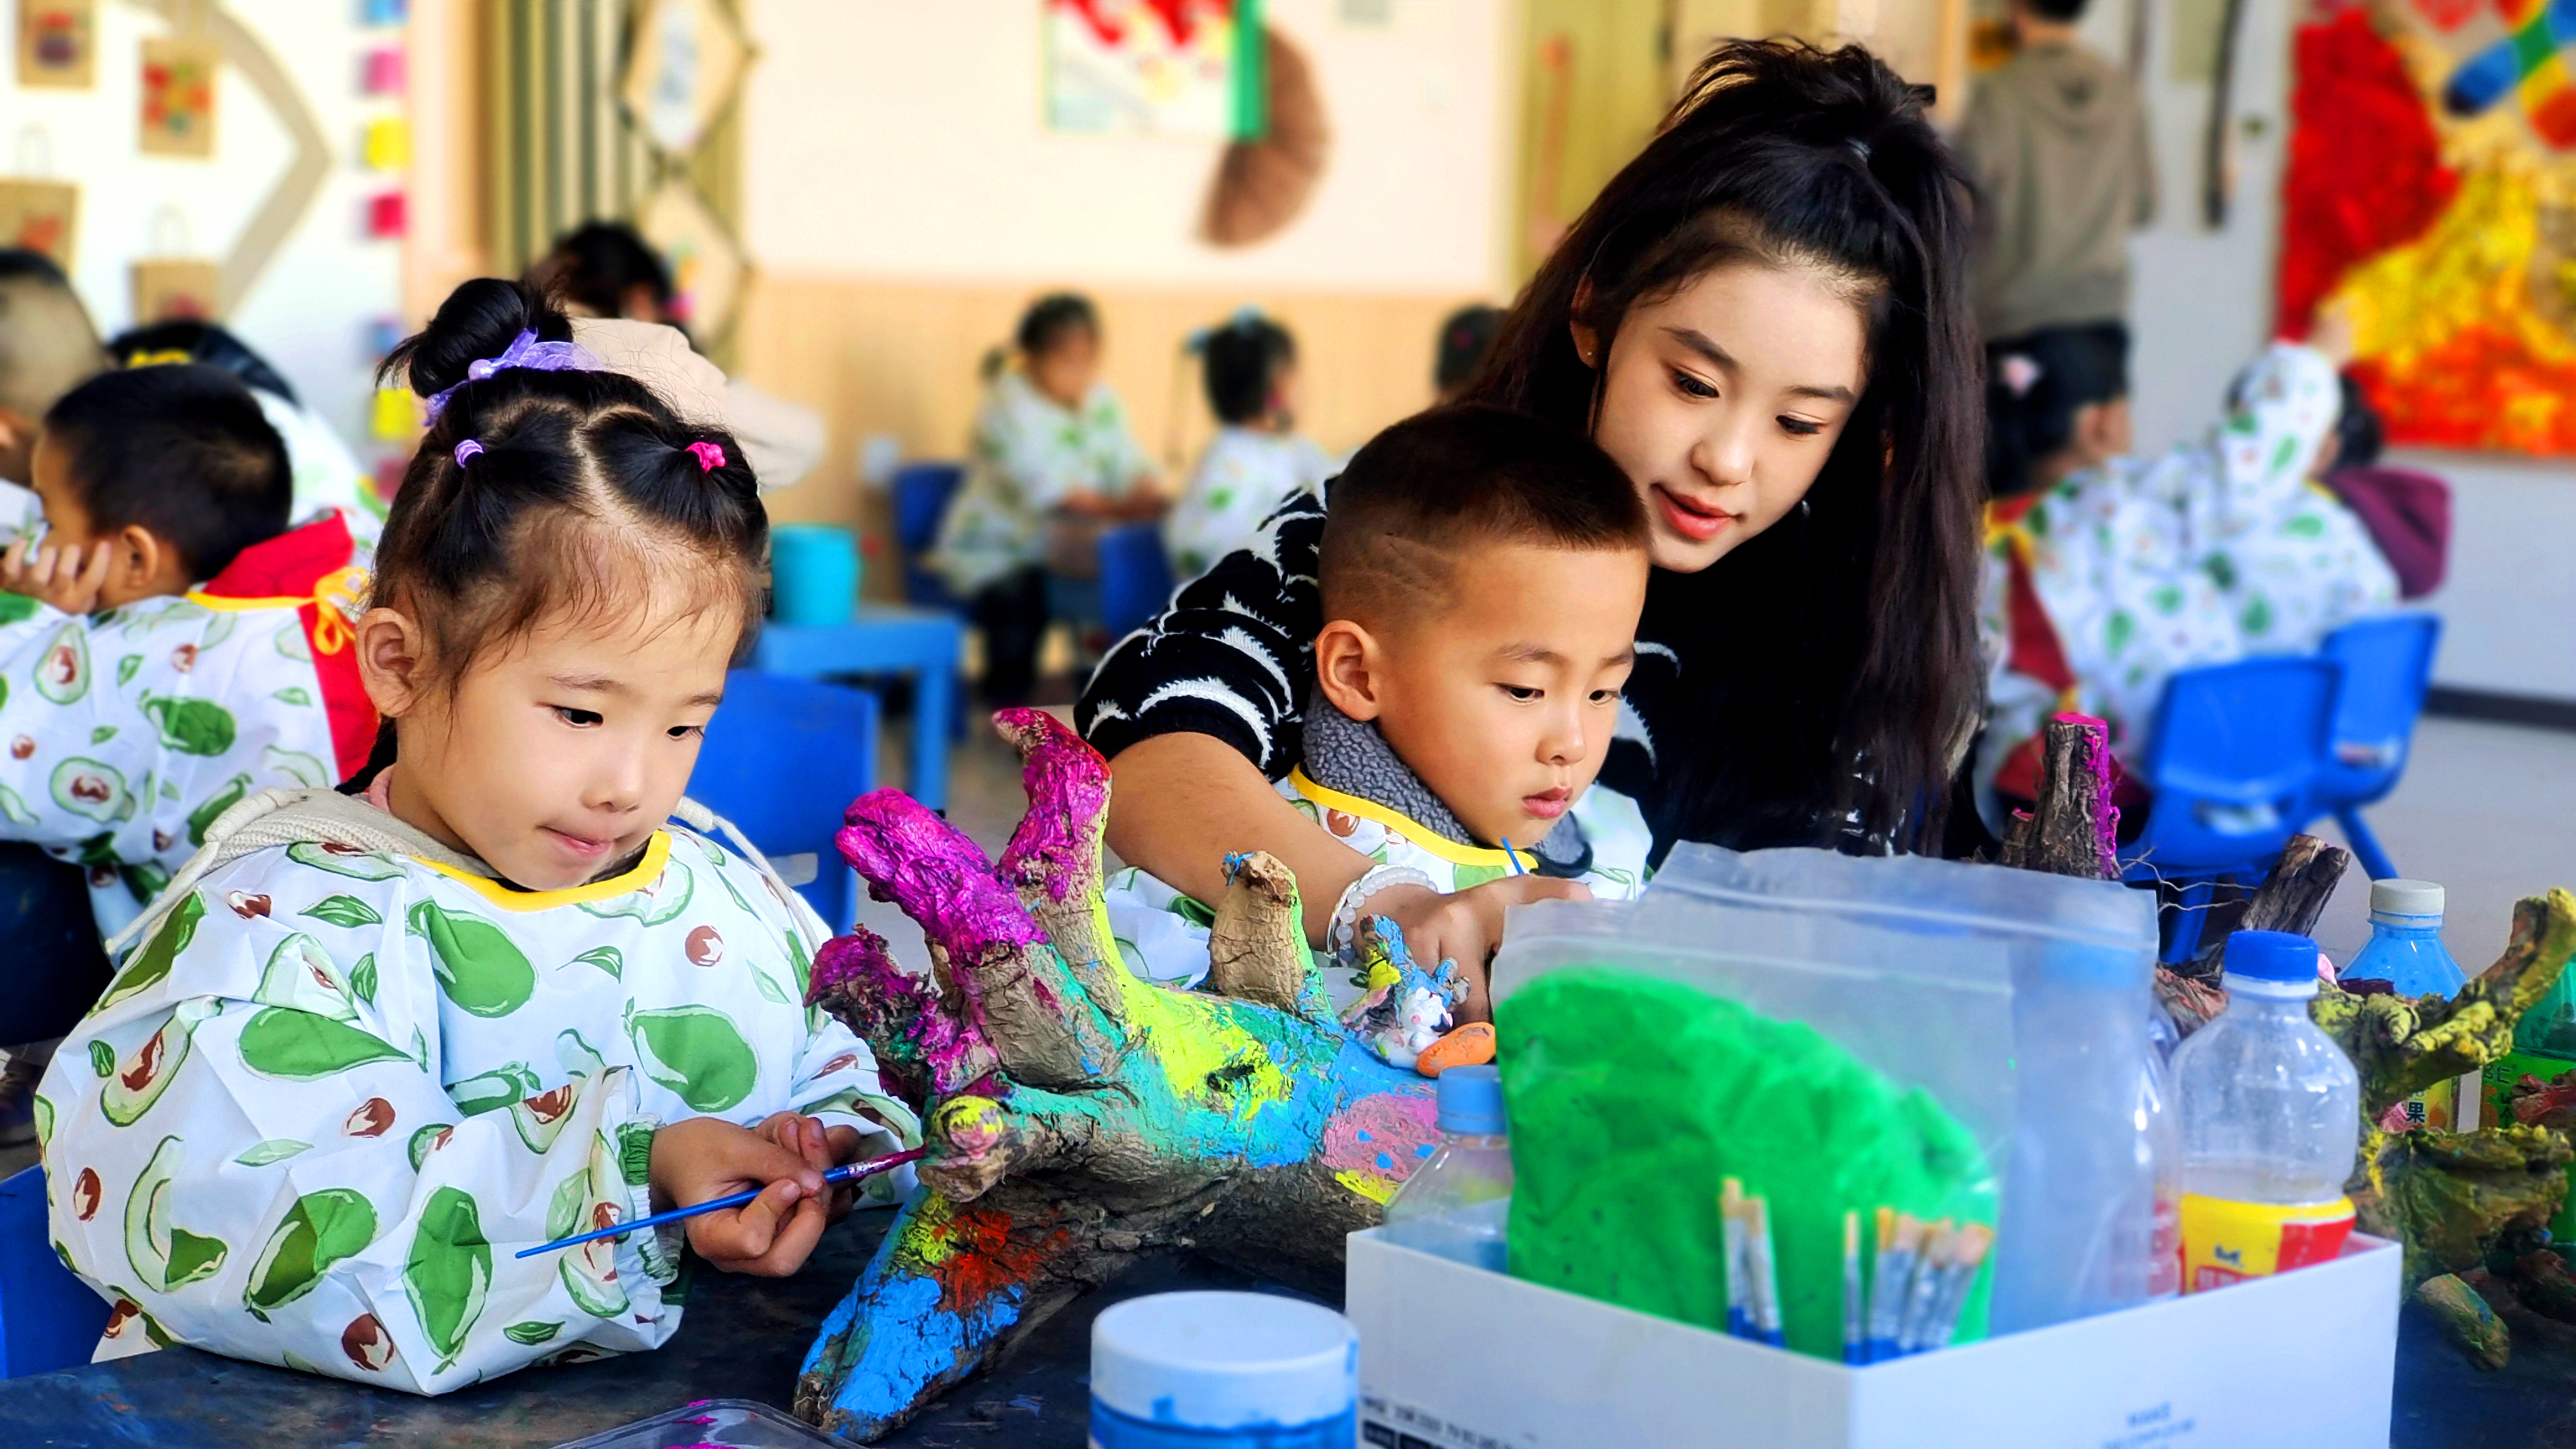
[(2271, 1117), (1457, 1204), (2406, 951), (1223, 1371)]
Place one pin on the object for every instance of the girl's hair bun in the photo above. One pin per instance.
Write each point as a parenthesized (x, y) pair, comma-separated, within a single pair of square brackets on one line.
[(478, 320)]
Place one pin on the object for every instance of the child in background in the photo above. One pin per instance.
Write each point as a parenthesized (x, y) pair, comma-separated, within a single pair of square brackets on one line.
[(327, 475), (468, 1011), (1482, 573), (168, 646), (47, 348), (1465, 337), (1051, 440), (1257, 458)]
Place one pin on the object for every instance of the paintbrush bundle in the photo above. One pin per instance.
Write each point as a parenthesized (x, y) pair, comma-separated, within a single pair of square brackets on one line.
[(1907, 1302)]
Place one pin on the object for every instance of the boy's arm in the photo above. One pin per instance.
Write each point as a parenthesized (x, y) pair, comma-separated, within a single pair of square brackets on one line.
[(310, 1194)]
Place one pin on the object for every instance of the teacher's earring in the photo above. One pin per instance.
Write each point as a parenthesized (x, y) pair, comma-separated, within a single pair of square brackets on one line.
[(1805, 510)]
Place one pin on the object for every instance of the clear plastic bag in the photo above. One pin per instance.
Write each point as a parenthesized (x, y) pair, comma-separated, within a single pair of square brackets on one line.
[(2016, 999)]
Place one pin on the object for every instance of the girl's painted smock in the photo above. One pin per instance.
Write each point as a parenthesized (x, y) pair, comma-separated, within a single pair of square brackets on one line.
[(1244, 475), (335, 1090), (2212, 552), (1031, 453), (123, 734)]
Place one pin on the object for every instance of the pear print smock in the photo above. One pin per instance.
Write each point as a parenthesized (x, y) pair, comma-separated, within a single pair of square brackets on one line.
[(124, 734), (332, 1093)]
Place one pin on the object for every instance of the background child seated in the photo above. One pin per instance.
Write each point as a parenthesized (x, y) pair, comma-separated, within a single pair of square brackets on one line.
[(496, 1000), (1482, 573), (1050, 440), (1257, 457), (169, 648), (326, 473)]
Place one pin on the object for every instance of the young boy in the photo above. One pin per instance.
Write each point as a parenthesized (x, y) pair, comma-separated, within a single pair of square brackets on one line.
[(1257, 457), (135, 708), (1482, 574)]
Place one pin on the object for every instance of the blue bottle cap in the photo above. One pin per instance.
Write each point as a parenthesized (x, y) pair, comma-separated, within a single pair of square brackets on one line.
[(2271, 956), (1471, 1101), (1219, 1361)]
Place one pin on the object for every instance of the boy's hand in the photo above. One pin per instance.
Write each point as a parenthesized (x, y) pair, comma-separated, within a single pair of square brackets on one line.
[(822, 1149), (1467, 926), (60, 577), (707, 1157)]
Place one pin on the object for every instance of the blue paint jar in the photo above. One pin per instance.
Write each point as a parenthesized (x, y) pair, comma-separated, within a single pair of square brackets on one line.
[(1223, 1371), (814, 573)]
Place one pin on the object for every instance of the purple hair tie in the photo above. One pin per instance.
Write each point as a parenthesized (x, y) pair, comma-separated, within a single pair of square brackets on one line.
[(467, 449), (710, 455), (524, 351)]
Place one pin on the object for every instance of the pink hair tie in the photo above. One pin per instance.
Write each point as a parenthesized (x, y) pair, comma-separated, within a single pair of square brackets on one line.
[(710, 456)]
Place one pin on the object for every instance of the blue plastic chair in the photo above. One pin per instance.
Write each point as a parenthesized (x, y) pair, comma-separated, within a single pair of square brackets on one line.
[(48, 1319), (1135, 578), (922, 493), (2233, 759), (57, 968), (782, 759), (2387, 671)]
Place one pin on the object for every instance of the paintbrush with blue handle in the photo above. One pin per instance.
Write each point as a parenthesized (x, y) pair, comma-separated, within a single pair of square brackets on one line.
[(850, 1172)]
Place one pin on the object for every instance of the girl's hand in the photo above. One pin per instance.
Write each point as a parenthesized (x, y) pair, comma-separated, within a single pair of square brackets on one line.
[(822, 1149), (707, 1157), (1467, 926), (60, 577)]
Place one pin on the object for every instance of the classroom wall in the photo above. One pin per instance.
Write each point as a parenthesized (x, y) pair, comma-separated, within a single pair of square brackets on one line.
[(904, 205), (2204, 304), (308, 312)]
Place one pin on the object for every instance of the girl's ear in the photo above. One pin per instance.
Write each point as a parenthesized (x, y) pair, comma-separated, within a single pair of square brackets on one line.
[(390, 659), (1346, 669)]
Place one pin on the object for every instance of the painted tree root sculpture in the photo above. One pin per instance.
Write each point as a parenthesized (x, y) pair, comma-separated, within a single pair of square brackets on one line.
[(1077, 1116)]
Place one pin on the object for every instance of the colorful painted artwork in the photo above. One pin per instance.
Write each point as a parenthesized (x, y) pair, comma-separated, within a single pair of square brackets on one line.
[(58, 43), (41, 215), (179, 97), (1154, 67), (2431, 193), (689, 57)]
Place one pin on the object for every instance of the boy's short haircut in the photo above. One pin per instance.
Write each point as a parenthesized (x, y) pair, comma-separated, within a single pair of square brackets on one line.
[(47, 345), (182, 450), (1455, 478), (1241, 361)]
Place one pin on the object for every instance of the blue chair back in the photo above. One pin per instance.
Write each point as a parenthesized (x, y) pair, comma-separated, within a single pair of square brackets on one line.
[(57, 968), (2235, 751), (922, 493), (48, 1319), (1135, 578), (2387, 672), (782, 759)]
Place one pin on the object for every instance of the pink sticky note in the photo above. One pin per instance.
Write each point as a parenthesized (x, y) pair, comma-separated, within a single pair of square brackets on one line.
[(384, 74), (386, 215)]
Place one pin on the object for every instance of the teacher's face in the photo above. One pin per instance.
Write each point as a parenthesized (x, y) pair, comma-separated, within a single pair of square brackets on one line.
[(1724, 399)]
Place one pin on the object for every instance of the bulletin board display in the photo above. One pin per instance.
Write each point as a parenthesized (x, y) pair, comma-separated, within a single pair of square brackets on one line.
[(2431, 194)]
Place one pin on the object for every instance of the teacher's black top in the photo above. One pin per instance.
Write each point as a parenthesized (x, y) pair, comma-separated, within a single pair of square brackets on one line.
[(1719, 737)]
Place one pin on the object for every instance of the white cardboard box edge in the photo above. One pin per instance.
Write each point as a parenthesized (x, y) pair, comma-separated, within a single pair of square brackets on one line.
[(1465, 1359)]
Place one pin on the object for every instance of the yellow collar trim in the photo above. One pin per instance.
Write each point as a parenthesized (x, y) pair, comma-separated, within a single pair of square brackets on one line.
[(231, 605), (1439, 845), (657, 853)]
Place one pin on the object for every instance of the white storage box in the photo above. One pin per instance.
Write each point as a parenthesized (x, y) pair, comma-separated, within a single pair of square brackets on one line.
[(1461, 1359)]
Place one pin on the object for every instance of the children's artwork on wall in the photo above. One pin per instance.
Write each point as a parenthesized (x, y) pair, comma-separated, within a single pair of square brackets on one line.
[(1155, 67), (58, 44), (2431, 193), (688, 57), (179, 96), (171, 285), (708, 266), (40, 215)]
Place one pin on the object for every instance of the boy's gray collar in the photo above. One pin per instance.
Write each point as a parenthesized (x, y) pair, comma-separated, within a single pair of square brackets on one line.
[(1351, 756)]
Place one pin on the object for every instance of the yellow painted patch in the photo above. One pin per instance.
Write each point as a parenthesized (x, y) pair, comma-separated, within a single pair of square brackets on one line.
[(1192, 1042), (1368, 1185)]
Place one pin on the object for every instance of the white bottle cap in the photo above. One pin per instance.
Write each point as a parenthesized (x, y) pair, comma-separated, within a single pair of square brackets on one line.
[(2405, 897), (1222, 1361)]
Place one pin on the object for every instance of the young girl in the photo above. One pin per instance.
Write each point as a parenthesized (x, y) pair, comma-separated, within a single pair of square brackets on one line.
[(1763, 320), (370, 1047), (1051, 440), (1257, 458), (2109, 573)]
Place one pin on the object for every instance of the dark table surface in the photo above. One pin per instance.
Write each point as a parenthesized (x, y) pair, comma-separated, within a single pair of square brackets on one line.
[(744, 1338)]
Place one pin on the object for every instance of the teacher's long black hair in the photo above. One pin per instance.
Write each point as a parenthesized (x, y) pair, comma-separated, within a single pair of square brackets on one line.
[(1834, 674)]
